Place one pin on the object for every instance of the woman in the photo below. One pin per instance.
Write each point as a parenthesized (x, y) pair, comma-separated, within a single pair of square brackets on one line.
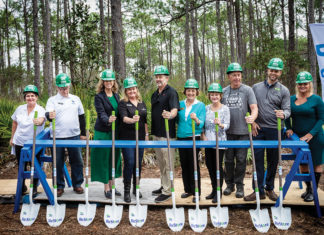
[(190, 109), (131, 102), (215, 92), (23, 125), (106, 101), (307, 114)]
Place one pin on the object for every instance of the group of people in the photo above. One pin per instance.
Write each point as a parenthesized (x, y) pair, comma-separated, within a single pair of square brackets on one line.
[(266, 101)]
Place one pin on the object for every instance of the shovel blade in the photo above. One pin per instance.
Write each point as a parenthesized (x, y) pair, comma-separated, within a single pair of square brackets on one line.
[(55, 214), (29, 213), (281, 217), (260, 219), (113, 215), (197, 219), (86, 213), (219, 216), (137, 215), (175, 218)]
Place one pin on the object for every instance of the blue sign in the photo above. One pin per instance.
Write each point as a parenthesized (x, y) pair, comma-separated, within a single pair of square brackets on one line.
[(320, 49)]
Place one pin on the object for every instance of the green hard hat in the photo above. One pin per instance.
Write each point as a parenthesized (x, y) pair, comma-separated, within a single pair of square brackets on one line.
[(108, 75), (160, 69), (63, 80), (31, 88), (304, 77), (129, 82), (234, 67), (191, 83), (215, 87), (276, 64)]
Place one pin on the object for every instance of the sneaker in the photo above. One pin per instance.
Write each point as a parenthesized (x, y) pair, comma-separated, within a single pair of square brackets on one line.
[(162, 198), (228, 190), (157, 192)]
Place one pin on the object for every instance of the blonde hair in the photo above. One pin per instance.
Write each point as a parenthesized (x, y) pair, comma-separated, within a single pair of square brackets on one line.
[(138, 95), (310, 92), (101, 87)]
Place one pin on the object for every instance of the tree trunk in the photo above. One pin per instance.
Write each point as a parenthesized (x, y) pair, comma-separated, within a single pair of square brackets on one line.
[(311, 50), (103, 32), (170, 49), (108, 35), (320, 11), (238, 32), (187, 41), (19, 43), (291, 46), (220, 42), (196, 71), (203, 56), (118, 40), (69, 37), (36, 45), (148, 48), (251, 40), (7, 35), (43, 41), (58, 23), (2, 63), (230, 26), (283, 21), (48, 47)]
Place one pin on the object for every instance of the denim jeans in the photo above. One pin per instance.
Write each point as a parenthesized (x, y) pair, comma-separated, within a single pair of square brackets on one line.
[(129, 155), (272, 159), (76, 163)]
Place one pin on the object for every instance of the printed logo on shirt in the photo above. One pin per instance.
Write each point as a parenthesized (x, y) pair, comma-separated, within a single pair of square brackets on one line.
[(234, 101), (129, 105), (60, 103), (73, 102), (277, 89)]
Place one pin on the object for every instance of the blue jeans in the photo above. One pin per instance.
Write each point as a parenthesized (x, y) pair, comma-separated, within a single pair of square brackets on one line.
[(76, 163), (129, 155), (272, 159)]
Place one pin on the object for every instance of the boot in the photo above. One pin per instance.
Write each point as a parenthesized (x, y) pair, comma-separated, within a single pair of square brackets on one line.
[(127, 186), (307, 186), (317, 178), (211, 195), (134, 191)]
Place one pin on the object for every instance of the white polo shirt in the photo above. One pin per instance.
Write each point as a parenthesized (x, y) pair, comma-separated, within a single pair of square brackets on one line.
[(67, 111), (25, 127)]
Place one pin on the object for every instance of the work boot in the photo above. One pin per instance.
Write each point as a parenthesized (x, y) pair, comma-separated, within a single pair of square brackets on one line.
[(239, 192), (127, 186), (134, 192), (308, 189), (229, 189), (310, 196)]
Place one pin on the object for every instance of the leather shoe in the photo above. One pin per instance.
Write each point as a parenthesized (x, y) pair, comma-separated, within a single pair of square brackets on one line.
[(194, 199), (272, 195), (252, 197), (185, 195), (60, 191), (309, 197), (78, 190), (211, 195)]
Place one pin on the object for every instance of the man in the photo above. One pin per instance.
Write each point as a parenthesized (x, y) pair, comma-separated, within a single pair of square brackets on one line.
[(240, 99), (165, 104), (68, 111), (274, 102)]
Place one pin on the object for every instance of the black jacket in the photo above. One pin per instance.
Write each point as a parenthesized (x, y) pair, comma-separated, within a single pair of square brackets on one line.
[(104, 109)]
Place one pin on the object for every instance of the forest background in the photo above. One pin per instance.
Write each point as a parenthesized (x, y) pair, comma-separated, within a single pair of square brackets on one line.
[(41, 38)]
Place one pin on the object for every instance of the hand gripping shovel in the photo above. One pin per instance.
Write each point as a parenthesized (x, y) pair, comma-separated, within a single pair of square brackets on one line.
[(29, 212), (260, 218), (175, 216), (55, 213), (281, 216), (113, 213), (218, 215), (197, 218), (87, 211), (137, 213)]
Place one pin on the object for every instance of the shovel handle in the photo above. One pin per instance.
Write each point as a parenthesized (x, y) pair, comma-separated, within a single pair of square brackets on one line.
[(193, 125), (136, 124), (249, 125), (216, 116), (88, 119), (166, 122), (279, 124), (53, 124), (35, 116), (113, 123)]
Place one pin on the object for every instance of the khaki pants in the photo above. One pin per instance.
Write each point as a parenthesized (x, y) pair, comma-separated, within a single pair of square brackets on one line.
[(163, 161)]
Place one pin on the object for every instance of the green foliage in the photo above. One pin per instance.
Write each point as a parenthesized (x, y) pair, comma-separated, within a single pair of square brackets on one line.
[(7, 108)]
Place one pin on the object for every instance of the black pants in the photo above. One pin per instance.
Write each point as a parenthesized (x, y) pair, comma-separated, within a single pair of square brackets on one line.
[(235, 163), (211, 165), (187, 166), (18, 151)]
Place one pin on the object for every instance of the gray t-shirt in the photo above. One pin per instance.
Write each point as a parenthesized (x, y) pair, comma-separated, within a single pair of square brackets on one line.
[(238, 101)]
